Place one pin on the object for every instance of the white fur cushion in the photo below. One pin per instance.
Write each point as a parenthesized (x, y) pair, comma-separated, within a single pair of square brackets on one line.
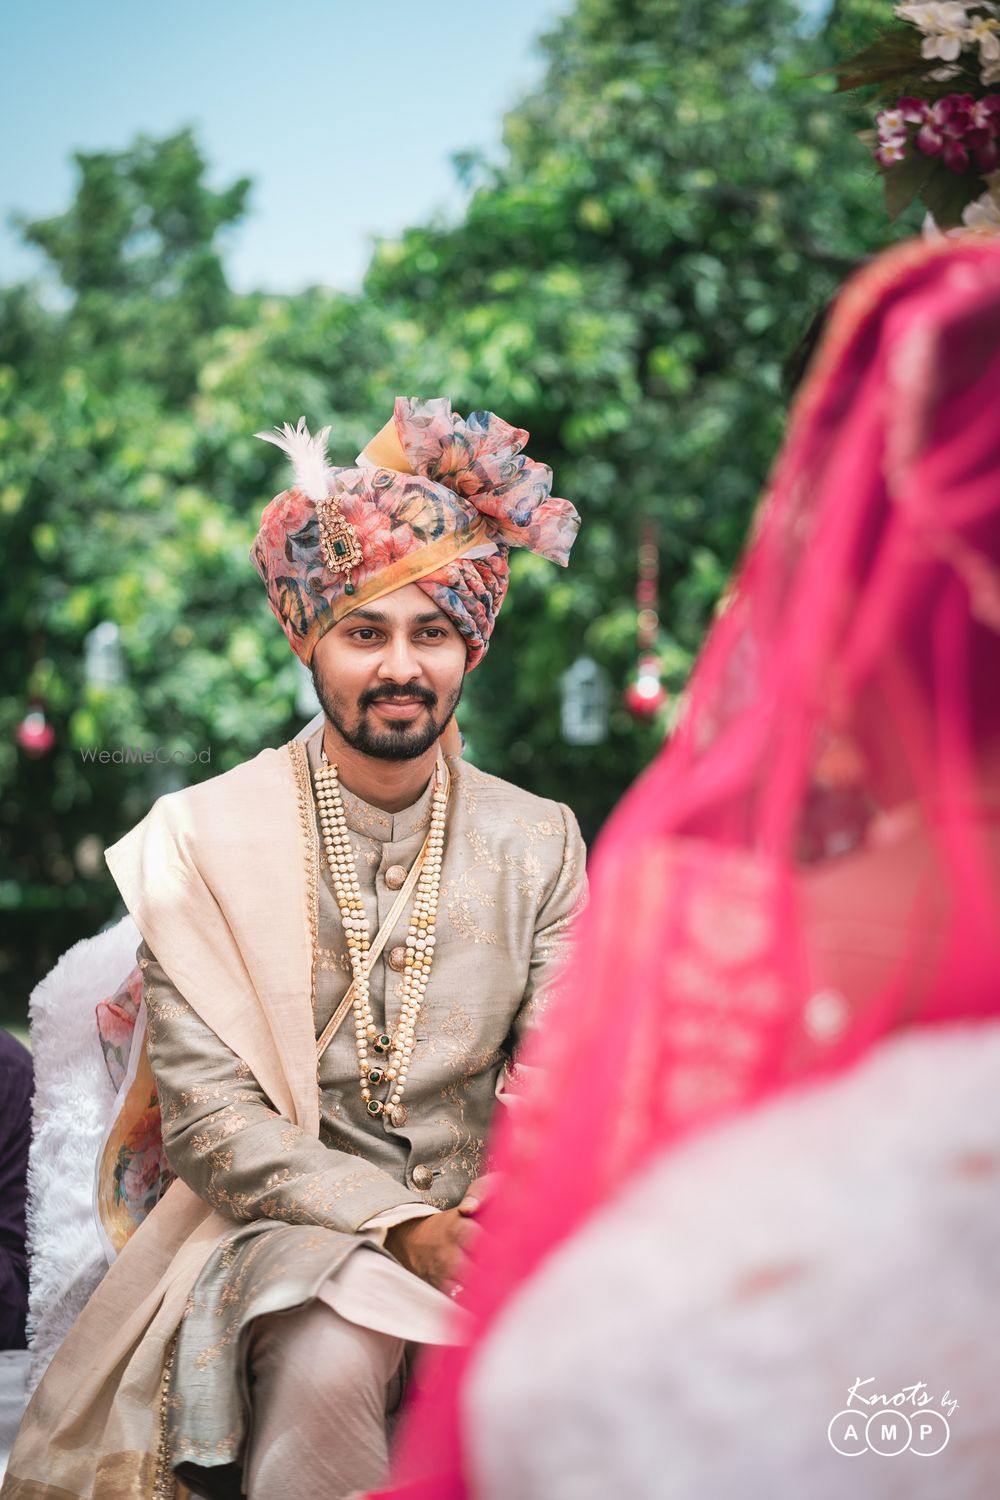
[(698, 1335), (74, 1097)]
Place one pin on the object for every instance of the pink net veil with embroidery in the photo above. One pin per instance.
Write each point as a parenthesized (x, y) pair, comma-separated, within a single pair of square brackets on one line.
[(814, 859)]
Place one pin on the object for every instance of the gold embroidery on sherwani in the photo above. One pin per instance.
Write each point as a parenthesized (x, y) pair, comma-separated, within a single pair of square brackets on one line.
[(332, 962), (466, 786), (466, 1155), (456, 900), (364, 818), (481, 849), (156, 1010), (163, 1477)]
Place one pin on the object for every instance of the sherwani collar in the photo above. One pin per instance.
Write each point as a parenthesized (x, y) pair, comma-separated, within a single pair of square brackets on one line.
[(372, 822)]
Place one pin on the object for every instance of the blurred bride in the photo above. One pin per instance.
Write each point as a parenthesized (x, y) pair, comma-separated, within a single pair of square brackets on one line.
[(747, 1230)]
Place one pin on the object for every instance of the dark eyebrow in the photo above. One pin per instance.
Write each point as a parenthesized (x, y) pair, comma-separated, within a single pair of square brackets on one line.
[(376, 617)]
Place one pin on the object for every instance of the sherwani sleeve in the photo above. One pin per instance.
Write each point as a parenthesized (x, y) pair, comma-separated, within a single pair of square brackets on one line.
[(560, 907), (224, 1138)]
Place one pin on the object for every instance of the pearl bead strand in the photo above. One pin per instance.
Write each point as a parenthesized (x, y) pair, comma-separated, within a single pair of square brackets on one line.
[(421, 938)]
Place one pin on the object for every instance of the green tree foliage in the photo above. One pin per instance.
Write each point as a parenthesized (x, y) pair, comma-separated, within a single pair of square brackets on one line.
[(674, 205), (671, 206)]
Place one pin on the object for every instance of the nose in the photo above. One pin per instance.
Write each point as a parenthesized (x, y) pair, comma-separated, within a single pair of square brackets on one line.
[(400, 661)]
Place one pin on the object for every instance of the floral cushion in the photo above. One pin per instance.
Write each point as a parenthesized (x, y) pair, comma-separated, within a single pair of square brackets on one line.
[(116, 1025), (133, 1171)]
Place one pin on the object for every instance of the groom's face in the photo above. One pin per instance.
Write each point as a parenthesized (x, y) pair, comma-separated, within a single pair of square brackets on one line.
[(389, 675)]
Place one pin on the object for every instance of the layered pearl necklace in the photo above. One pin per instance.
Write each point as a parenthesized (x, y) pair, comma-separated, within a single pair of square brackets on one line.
[(391, 1062)]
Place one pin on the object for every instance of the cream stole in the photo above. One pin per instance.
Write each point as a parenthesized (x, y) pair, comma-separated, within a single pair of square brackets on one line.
[(222, 880)]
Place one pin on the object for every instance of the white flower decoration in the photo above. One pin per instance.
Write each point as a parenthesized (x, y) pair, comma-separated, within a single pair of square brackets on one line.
[(983, 215), (984, 30), (945, 27)]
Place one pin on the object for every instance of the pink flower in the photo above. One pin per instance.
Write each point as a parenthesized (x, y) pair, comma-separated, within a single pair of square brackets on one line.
[(115, 1026), (987, 156), (146, 1134), (891, 124), (985, 114), (142, 1173), (911, 109), (930, 141), (939, 113), (383, 539), (288, 513), (891, 151), (956, 158), (981, 118), (958, 120)]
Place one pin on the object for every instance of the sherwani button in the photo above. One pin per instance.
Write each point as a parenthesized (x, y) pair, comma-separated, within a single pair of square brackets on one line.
[(422, 1176), (397, 959), (395, 877)]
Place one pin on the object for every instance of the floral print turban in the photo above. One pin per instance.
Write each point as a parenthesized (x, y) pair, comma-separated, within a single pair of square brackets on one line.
[(448, 526)]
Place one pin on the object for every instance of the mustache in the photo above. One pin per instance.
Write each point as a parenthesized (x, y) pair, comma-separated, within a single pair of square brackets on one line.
[(389, 694)]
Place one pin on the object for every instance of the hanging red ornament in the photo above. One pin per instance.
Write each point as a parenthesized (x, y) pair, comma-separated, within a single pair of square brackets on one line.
[(646, 695), (35, 734)]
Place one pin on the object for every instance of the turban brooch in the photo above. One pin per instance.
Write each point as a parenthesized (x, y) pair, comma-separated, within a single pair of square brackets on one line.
[(344, 537)]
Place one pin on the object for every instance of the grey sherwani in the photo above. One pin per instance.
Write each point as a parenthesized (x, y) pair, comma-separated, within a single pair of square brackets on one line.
[(512, 880)]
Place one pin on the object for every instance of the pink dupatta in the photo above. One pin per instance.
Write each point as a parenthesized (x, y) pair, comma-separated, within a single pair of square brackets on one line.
[(849, 682)]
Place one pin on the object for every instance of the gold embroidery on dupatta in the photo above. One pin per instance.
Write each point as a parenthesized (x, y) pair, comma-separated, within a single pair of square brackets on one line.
[(310, 843)]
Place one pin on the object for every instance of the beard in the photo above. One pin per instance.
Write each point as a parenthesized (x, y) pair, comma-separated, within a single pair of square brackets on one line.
[(405, 740)]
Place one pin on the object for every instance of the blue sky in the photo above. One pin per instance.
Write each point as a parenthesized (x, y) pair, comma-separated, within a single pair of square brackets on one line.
[(344, 112)]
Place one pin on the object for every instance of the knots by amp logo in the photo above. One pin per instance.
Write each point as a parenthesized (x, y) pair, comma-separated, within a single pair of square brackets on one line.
[(905, 1421)]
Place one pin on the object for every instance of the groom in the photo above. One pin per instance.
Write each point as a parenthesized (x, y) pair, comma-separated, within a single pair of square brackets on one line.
[(343, 944)]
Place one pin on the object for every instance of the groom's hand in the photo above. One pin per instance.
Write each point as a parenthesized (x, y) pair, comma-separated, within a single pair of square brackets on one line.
[(479, 1192), (433, 1247)]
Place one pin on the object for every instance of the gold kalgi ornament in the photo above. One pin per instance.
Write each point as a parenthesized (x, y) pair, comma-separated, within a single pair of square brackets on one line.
[(338, 538)]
